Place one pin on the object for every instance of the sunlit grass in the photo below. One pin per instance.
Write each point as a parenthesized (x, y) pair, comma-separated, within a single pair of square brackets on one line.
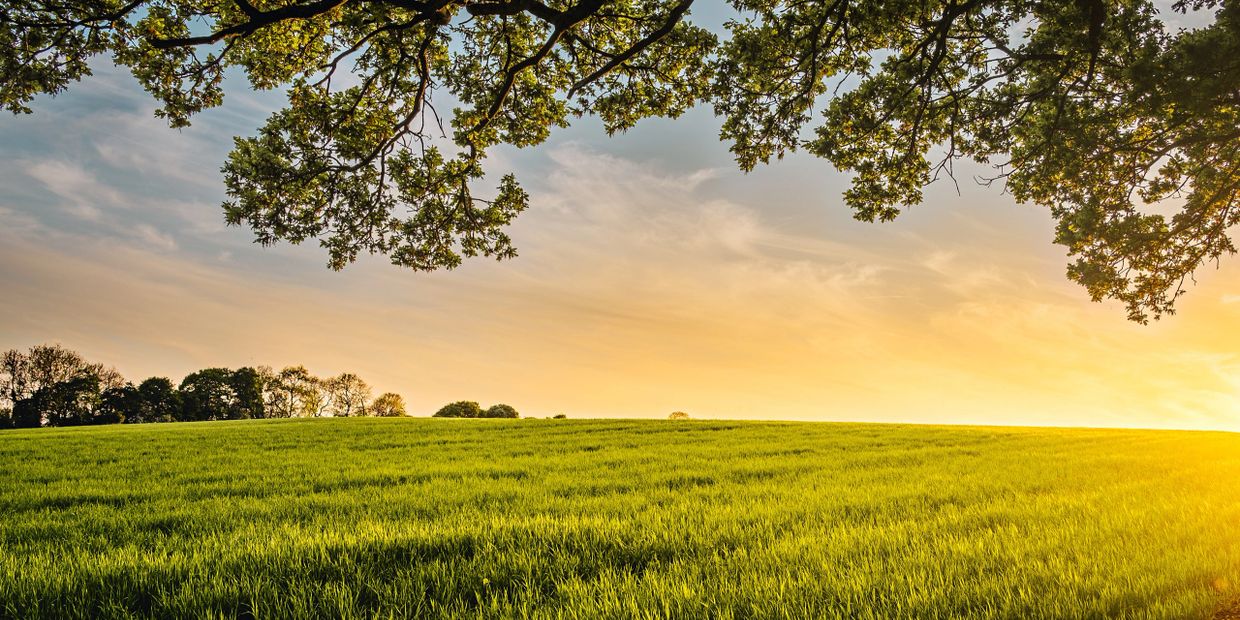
[(588, 519)]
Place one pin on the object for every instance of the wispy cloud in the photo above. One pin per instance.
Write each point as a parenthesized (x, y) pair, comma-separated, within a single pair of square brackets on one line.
[(80, 192)]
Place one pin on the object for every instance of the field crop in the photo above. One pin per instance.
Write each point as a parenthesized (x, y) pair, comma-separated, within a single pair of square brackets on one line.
[(616, 519)]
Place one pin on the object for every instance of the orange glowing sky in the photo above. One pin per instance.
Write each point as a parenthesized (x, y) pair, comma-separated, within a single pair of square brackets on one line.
[(653, 277)]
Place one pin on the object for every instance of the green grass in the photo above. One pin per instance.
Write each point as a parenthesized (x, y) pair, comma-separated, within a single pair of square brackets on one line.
[(610, 519)]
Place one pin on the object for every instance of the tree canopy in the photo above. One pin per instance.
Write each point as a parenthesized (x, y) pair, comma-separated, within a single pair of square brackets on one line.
[(1091, 108)]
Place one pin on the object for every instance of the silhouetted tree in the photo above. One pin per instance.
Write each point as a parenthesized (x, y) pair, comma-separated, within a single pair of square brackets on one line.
[(109, 377), (23, 374), (678, 415), (27, 413), (500, 411), (53, 386), (388, 405), (207, 395), (51, 364), (15, 377), (347, 395), (160, 401), (293, 393), (118, 404), (247, 387), (69, 403), (268, 377), (460, 409)]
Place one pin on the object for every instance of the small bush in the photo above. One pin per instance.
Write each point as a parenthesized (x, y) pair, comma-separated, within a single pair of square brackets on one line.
[(460, 409), (678, 415), (501, 411), (559, 416)]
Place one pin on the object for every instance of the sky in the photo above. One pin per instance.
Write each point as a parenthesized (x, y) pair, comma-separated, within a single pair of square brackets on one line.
[(653, 276)]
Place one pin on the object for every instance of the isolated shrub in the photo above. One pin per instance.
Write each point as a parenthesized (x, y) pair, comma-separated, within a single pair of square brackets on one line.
[(559, 416), (678, 415), (460, 409), (501, 411), (388, 405)]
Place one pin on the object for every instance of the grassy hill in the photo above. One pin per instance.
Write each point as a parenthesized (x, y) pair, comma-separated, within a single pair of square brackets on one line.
[(612, 519)]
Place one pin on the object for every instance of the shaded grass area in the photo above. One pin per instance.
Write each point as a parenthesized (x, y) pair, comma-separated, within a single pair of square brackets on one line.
[(608, 519)]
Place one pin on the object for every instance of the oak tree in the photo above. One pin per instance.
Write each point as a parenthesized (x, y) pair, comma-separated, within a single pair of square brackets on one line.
[(207, 394), (160, 401), (73, 402), (22, 373), (1091, 108), (118, 405)]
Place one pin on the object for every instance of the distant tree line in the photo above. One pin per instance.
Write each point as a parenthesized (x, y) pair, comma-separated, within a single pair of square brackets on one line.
[(49, 385)]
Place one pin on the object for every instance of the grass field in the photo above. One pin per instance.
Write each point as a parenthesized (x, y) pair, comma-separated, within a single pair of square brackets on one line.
[(610, 519)]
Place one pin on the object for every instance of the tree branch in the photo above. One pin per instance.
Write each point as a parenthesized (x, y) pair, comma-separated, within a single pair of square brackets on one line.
[(258, 20), (673, 18)]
